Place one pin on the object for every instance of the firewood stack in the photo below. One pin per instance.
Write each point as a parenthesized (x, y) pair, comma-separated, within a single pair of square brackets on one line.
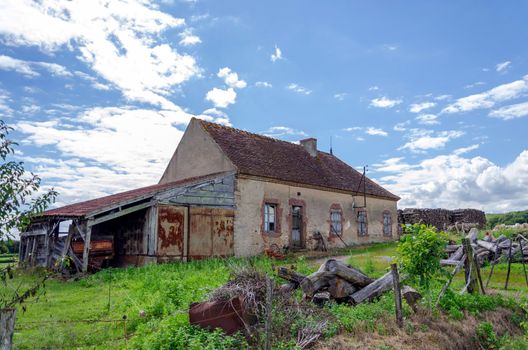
[(342, 283), (443, 219), (488, 249)]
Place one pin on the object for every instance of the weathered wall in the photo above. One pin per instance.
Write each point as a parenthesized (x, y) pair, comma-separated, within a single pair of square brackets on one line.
[(197, 155), (250, 195)]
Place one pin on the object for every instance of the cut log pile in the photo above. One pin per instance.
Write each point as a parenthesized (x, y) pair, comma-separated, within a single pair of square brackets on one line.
[(488, 249), (343, 283), (443, 219)]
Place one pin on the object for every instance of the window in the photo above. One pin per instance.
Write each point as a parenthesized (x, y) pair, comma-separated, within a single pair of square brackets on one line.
[(270, 217), (387, 224), (336, 224), (362, 223)]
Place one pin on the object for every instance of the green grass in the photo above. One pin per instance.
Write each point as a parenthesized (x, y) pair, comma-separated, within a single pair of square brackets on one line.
[(7, 259), (163, 293)]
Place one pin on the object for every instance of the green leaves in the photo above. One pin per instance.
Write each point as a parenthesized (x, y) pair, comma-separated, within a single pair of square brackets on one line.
[(19, 199), (419, 253)]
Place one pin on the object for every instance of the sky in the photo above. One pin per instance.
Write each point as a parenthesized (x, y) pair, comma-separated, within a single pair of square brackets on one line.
[(432, 96)]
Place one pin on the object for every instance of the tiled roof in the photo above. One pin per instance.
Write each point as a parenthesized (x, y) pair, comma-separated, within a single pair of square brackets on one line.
[(87, 207), (263, 156)]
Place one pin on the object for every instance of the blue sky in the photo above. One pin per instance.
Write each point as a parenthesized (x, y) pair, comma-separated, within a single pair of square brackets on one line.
[(433, 96)]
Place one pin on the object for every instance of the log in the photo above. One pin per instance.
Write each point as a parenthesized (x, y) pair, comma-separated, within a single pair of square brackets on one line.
[(315, 282), (321, 298), (341, 289), (492, 247), (449, 262), (290, 275), (374, 289), (472, 235), (411, 296), (7, 328), (451, 248), (457, 255), (349, 274)]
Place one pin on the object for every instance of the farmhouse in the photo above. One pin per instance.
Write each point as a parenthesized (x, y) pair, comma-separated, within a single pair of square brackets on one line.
[(225, 192)]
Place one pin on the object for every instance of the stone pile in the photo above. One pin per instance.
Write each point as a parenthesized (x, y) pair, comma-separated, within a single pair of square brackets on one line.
[(443, 219)]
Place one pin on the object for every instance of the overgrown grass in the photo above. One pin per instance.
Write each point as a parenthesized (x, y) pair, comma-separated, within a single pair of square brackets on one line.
[(161, 292), (155, 299)]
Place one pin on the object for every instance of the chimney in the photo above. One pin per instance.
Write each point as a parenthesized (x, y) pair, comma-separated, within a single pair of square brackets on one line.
[(310, 145)]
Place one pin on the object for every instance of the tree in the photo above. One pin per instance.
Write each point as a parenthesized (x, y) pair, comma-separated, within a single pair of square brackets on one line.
[(19, 203), (18, 190)]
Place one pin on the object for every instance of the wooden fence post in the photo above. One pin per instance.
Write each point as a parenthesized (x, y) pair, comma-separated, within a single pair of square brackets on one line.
[(397, 295), (472, 281), (7, 327), (269, 310)]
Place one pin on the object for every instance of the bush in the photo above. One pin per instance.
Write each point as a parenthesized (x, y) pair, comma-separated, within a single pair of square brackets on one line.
[(455, 303), (486, 337), (173, 333), (419, 253)]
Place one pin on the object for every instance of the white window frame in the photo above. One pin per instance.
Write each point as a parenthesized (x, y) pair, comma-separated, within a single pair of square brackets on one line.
[(270, 217)]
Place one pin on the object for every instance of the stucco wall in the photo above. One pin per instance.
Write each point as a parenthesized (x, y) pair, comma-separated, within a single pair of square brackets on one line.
[(196, 155), (250, 195)]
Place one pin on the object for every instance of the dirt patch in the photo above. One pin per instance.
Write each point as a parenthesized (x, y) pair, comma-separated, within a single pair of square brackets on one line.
[(423, 331)]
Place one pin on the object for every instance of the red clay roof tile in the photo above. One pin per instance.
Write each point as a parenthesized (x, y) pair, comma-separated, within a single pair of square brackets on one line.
[(264, 156)]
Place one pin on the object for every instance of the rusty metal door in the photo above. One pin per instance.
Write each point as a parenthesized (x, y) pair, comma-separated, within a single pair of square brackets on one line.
[(171, 231), (211, 233)]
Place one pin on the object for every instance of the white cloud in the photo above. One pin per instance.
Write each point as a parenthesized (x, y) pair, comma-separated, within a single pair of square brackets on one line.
[(55, 69), (188, 38), (341, 96), (19, 66), (427, 119), (418, 107), (277, 55), (104, 144), (278, 131), (221, 98), (373, 88), (503, 66), (488, 99), (369, 130), (384, 102), (392, 165), (443, 97), (299, 89), (451, 181), (422, 140), (511, 112), (467, 149), (215, 115), (119, 40), (375, 131), (401, 126), (263, 84), (478, 83), (231, 78)]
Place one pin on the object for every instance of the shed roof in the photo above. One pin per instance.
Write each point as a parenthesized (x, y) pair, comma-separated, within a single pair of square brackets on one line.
[(83, 208), (264, 156)]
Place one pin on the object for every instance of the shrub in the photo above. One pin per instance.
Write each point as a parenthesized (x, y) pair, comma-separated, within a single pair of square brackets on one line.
[(172, 333), (419, 253), (486, 337)]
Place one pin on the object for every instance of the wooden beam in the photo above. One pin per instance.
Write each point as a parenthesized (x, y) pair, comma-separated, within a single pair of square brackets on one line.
[(119, 213), (86, 251)]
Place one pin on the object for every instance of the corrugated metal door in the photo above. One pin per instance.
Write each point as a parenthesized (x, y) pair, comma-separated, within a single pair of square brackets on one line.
[(211, 233), (171, 230)]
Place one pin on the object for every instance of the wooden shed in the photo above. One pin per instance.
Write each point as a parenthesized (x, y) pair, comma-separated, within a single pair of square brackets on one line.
[(181, 220)]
